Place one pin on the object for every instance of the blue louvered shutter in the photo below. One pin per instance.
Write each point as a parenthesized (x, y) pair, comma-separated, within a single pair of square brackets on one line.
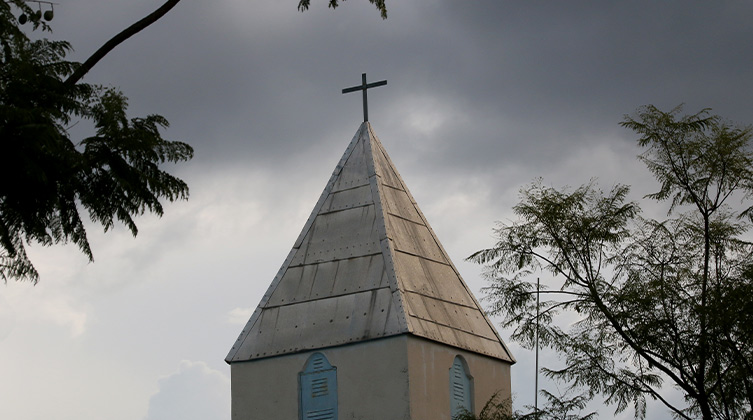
[(318, 389), (460, 388)]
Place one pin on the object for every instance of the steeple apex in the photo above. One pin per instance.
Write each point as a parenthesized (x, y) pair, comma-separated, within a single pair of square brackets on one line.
[(364, 87), (366, 265)]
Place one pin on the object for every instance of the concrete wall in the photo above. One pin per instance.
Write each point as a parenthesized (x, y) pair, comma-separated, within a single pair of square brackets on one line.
[(429, 371), (376, 380), (372, 381)]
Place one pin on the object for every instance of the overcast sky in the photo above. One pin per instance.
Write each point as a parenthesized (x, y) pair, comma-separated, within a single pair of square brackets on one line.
[(482, 97)]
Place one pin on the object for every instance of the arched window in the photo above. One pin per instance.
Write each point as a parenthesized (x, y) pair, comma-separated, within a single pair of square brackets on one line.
[(317, 385), (461, 387)]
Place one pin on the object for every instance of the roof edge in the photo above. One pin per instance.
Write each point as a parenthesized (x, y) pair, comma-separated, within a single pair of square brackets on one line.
[(306, 227)]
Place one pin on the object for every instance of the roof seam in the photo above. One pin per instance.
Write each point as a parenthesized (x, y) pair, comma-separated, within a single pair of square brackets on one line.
[(444, 252), (328, 188), (334, 260), (454, 328), (346, 208), (439, 299), (406, 219), (371, 289), (233, 353), (420, 256), (385, 243), (393, 187), (350, 188)]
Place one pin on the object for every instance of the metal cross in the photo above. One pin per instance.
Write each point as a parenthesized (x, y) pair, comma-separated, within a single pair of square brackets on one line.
[(363, 87)]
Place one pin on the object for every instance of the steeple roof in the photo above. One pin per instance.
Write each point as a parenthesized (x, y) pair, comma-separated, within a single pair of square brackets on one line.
[(366, 265)]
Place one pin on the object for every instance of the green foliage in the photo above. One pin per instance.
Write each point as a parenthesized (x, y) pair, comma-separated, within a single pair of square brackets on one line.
[(46, 178), (561, 408), (657, 303), (558, 408), (494, 409), (380, 5)]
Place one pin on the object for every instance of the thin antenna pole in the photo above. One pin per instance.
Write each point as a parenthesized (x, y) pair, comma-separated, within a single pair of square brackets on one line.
[(536, 394)]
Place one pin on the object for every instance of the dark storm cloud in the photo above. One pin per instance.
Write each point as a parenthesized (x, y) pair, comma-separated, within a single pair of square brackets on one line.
[(545, 76), (533, 79)]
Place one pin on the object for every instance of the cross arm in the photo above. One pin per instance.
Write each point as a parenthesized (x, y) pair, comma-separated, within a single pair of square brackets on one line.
[(362, 87)]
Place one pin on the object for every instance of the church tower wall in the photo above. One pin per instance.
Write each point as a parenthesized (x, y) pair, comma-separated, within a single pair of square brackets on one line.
[(401, 377), (430, 376), (367, 318), (372, 383)]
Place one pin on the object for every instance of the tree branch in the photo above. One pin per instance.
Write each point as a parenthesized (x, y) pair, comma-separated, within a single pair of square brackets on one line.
[(117, 40), (645, 388), (637, 348)]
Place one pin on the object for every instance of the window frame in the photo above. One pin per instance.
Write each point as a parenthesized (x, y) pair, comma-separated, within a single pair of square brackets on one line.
[(464, 382), (318, 379)]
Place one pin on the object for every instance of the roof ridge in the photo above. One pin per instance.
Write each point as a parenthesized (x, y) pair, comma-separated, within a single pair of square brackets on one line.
[(296, 245), (387, 249), (437, 241)]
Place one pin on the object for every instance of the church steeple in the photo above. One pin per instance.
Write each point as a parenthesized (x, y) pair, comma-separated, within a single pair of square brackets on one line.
[(367, 317), (366, 265)]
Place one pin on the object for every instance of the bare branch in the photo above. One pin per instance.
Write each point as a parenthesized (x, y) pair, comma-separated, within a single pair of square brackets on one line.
[(117, 40)]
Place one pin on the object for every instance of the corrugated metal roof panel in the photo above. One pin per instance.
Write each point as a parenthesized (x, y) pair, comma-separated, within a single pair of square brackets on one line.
[(345, 199), (343, 234), (448, 314), (358, 274), (288, 288), (431, 278), (397, 202), (388, 175), (354, 172), (321, 323), (366, 265), (460, 339), (413, 238), (327, 279)]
